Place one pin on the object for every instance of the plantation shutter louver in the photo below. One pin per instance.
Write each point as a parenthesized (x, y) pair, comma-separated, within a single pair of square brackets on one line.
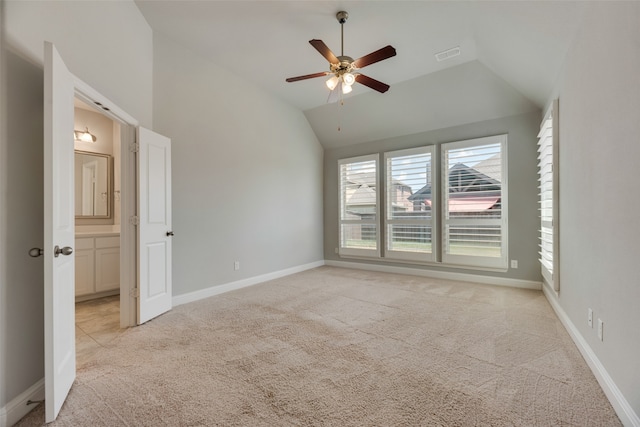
[(410, 196), (547, 179), (474, 202)]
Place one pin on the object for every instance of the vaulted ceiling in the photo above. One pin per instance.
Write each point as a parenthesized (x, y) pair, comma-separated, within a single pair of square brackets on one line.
[(511, 53)]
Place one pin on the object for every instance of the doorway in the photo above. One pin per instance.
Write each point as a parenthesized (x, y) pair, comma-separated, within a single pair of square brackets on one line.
[(145, 232), (121, 128), (97, 200)]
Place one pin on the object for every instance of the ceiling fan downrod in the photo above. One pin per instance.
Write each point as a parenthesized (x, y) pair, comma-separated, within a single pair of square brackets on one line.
[(342, 17)]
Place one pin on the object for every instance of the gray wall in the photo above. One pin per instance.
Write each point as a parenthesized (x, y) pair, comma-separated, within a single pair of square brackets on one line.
[(21, 175), (118, 42), (247, 173), (467, 93), (522, 182), (599, 96)]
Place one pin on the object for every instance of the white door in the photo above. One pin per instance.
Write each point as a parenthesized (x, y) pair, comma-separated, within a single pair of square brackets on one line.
[(154, 230), (59, 271)]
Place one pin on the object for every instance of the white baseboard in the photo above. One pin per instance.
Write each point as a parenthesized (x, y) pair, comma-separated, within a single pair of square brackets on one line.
[(18, 408), (464, 277), (622, 407), (232, 286)]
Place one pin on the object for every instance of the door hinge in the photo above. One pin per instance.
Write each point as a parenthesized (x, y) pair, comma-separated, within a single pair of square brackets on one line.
[(135, 293), (134, 220), (134, 147)]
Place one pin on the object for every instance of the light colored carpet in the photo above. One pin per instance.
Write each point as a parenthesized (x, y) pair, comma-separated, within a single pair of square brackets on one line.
[(339, 347)]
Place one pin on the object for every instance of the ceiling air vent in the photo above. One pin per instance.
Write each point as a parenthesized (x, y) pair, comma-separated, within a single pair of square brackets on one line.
[(448, 54)]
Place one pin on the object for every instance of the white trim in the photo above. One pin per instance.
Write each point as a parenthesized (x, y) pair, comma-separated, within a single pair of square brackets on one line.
[(376, 253), (17, 408), (397, 254), (250, 281), (90, 96), (623, 409), (128, 177), (464, 277), (493, 262)]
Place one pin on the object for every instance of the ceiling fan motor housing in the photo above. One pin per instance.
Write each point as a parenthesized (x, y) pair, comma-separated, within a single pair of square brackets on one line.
[(345, 65)]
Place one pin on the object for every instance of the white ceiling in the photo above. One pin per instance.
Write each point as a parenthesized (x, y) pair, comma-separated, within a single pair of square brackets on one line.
[(522, 42)]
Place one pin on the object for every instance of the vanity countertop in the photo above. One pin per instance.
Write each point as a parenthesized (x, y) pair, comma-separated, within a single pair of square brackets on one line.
[(97, 231)]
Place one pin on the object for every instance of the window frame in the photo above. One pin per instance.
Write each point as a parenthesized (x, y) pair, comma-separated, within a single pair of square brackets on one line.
[(410, 255), (500, 262), (359, 252)]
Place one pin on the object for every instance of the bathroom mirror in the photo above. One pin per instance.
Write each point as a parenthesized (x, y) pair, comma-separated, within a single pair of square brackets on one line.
[(93, 185)]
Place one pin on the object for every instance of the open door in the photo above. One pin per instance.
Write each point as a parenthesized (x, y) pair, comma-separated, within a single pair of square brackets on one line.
[(59, 233), (154, 229)]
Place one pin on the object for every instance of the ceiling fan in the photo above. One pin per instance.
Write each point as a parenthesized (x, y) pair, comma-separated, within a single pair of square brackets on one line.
[(344, 69)]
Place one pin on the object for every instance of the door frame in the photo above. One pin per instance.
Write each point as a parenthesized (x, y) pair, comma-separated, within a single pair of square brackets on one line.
[(128, 200)]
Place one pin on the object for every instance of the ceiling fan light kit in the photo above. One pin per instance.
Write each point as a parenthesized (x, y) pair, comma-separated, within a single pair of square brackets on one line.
[(344, 69)]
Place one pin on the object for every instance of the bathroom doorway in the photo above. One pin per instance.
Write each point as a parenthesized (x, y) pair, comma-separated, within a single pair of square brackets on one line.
[(97, 196)]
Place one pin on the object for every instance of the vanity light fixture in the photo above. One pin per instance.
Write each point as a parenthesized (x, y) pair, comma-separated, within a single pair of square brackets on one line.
[(84, 135)]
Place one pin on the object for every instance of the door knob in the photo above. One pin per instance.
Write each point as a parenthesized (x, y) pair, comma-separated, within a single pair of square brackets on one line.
[(35, 252), (64, 251), (169, 233)]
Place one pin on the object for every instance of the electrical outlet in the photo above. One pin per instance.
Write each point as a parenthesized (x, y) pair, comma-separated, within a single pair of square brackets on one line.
[(601, 329), (590, 318), (514, 263), (336, 250), (236, 265)]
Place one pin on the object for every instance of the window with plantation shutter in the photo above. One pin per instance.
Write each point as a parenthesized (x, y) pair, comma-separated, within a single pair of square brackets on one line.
[(359, 206), (547, 178), (410, 196), (474, 202)]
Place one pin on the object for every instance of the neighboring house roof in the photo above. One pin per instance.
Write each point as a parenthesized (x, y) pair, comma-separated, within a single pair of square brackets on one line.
[(491, 167), (362, 178), (461, 200), (363, 195), (369, 178), (474, 189)]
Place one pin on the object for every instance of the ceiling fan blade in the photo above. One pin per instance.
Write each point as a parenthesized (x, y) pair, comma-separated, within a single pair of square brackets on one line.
[(307, 76), (324, 50), (372, 83), (373, 57)]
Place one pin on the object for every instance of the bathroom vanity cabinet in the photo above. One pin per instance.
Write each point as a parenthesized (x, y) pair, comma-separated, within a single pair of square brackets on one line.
[(97, 265)]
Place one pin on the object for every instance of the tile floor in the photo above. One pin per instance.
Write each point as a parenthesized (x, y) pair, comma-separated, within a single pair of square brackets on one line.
[(97, 324)]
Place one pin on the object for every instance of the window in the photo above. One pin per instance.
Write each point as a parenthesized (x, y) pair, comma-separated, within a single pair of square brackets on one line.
[(547, 178), (409, 214), (474, 202), (442, 204), (358, 182)]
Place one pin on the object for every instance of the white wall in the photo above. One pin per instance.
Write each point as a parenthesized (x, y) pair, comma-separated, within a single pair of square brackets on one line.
[(109, 46), (247, 173), (599, 96)]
